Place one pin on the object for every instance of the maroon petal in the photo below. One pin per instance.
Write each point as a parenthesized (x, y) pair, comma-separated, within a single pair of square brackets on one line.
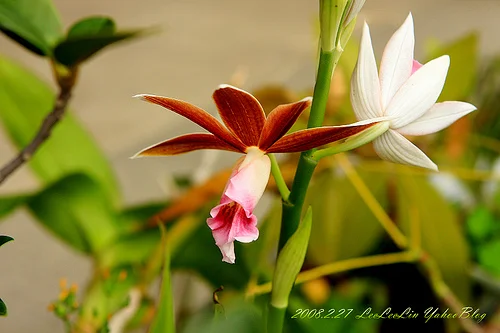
[(186, 143), (314, 137), (196, 115), (241, 113), (280, 120)]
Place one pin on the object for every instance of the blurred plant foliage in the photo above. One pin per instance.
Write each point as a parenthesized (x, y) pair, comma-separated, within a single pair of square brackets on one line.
[(79, 203)]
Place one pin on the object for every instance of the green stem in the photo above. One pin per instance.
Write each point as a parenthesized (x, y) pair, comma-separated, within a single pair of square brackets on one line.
[(292, 209), (278, 178), (275, 319)]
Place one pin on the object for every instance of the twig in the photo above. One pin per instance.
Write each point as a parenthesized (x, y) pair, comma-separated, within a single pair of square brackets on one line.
[(41, 136)]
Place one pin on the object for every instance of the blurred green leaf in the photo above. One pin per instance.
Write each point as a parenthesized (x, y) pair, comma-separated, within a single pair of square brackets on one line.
[(33, 24), (131, 249), (77, 211), (164, 318), (92, 26), (3, 308), (344, 227), (481, 224), (441, 234), (106, 295), (24, 103), (488, 254), (239, 316), (11, 203), (88, 37), (4, 239), (463, 67), (133, 219)]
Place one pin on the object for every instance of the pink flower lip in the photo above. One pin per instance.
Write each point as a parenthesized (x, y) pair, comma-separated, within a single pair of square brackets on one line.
[(233, 219)]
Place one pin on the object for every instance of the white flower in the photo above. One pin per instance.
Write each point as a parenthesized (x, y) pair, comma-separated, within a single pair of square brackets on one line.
[(405, 93)]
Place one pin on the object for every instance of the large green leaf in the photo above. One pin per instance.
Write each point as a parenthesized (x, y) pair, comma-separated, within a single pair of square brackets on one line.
[(92, 26), (76, 210), (87, 37), (441, 235), (24, 103), (344, 227), (32, 23), (11, 203)]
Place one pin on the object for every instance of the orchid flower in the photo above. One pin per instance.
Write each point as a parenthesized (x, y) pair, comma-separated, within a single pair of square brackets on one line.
[(248, 131), (404, 92)]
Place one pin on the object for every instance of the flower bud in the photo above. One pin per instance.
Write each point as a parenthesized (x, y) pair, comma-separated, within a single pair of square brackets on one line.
[(290, 261)]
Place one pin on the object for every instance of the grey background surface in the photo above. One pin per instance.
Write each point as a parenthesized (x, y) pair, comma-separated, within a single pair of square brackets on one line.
[(202, 44)]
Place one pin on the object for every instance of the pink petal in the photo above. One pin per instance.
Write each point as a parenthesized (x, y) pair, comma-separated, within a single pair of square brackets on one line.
[(249, 180), (397, 61), (416, 66), (241, 112), (233, 219), (187, 143), (229, 222)]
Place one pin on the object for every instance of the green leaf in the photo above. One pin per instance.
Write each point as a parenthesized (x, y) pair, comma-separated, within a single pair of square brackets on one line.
[(24, 103), (33, 24), (133, 219), (344, 227), (79, 47), (11, 203), (120, 253), (164, 318), (5, 239), (92, 26), (77, 211), (3, 308), (463, 67), (441, 234), (481, 224), (488, 255)]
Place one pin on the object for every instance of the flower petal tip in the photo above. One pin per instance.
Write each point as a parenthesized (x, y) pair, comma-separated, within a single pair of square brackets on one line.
[(137, 155), (224, 86), (229, 260), (228, 86)]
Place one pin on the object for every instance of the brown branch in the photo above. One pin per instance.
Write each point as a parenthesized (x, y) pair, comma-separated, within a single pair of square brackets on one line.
[(41, 136)]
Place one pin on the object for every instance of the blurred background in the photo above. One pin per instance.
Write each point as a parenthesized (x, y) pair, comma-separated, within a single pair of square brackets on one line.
[(200, 44)]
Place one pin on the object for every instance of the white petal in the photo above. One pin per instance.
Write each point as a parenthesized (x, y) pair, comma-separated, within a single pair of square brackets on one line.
[(397, 61), (419, 93), (440, 115), (392, 146), (365, 86)]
